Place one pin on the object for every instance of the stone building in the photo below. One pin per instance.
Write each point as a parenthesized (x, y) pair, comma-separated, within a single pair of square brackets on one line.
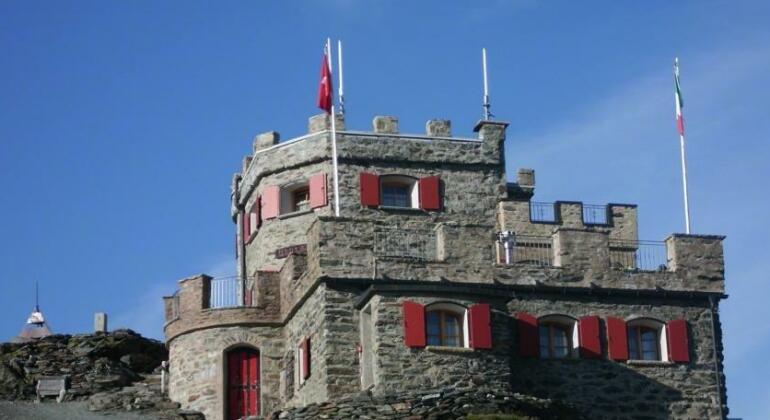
[(439, 273)]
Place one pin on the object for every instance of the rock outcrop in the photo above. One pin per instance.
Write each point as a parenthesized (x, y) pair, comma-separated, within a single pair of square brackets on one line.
[(93, 362), (444, 404)]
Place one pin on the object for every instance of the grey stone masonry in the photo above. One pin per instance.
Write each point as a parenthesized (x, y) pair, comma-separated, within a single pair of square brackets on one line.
[(322, 122), (526, 177), (265, 140), (438, 128), (385, 124), (340, 286)]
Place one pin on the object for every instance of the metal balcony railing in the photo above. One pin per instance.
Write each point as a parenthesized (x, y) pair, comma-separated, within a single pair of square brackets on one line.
[(530, 250), (542, 212), (638, 255), (594, 214), (225, 292)]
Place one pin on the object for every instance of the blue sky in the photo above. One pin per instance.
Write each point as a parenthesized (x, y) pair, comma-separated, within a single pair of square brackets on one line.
[(121, 124)]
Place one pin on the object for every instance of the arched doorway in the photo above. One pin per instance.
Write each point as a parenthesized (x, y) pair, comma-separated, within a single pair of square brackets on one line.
[(242, 384)]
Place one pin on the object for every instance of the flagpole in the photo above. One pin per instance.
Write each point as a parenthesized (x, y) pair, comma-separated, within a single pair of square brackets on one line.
[(680, 126), (684, 186), (339, 65), (334, 139)]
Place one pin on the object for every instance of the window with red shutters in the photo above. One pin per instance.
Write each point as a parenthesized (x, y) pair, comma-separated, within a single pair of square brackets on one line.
[(678, 344), (430, 193), (369, 185), (246, 224), (303, 360), (271, 201), (528, 335), (318, 196), (617, 339), (414, 324), (590, 341), (256, 210), (479, 328)]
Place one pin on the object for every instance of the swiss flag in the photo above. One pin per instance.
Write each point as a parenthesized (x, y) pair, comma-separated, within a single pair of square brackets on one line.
[(325, 85)]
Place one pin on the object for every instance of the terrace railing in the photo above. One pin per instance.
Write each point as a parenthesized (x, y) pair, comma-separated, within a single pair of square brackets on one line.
[(225, 292), (542, 212), (594, 214), (638, 255), (531, 250)]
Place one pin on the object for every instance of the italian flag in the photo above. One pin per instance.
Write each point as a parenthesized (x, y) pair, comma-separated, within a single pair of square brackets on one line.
[(678, 99)]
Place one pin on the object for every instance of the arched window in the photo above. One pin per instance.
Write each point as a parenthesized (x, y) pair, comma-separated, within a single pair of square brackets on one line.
[(445, 325), (646, 339), (399, 191), (557, 336)]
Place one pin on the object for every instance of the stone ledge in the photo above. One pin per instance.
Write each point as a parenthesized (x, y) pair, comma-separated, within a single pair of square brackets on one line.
[(654, 363), (448, 349)]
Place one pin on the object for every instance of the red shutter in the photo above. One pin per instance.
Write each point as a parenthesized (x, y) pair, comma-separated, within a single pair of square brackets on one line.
[(414, 324), (271, 200), (246, 223), (617, 339), (317, 186), (370, 189), (306, 358), (479, 326), (528, 337), (678, 345), (256, 209), (430, 194), (590, 343)]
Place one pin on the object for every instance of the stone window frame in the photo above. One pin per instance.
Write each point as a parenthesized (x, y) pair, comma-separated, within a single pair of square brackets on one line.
[(566, 322), (649, 323), (288, 205), (455, 308), (410, 182)]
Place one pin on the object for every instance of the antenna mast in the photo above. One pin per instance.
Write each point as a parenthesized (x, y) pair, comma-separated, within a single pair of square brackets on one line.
[(487, 105)]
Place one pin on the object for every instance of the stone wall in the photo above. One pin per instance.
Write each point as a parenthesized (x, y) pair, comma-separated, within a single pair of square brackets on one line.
[(401, 368), (514, 215), (610, 389), (197, 372)]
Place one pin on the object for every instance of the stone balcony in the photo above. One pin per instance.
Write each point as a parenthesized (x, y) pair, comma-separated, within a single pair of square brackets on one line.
[(463, 253)]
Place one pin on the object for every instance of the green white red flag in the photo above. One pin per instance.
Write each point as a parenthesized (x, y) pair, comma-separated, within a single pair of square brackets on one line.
[(678, 99), (325, 85)]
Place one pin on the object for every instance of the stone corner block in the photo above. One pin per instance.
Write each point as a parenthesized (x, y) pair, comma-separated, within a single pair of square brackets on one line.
[(438, 128), (384, 124), (265, 140)]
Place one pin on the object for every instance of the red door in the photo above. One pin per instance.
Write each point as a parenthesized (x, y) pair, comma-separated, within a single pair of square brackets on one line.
[(242, 383)]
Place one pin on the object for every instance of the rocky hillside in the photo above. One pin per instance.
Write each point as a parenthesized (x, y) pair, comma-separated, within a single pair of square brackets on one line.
[(94, 362), (441, 404)]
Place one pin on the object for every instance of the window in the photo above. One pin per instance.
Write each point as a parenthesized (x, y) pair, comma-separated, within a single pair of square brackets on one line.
[(646, 340), (555, 341), (444, 328), (399, 191), (557, 336), (643, 343), (295, 198), (303, 361), (300, 199), (447, 324)]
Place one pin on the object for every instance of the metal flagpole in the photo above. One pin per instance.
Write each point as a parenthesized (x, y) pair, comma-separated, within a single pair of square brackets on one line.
[(339, 65), (681, 149), (334, 138), (684, 187), (487, 105)]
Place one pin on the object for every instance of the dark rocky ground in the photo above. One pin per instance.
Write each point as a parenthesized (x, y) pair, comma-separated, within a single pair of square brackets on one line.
[(115, 373), (437, 404)]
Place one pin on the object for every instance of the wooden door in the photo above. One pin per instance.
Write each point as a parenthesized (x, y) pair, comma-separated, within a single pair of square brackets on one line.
[(242, 383)]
